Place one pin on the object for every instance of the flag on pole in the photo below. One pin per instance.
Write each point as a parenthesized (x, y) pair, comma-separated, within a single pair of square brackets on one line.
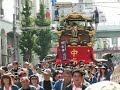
[(63, 50)]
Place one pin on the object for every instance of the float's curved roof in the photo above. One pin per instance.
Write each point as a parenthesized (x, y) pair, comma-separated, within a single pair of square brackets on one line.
[(75, 16)]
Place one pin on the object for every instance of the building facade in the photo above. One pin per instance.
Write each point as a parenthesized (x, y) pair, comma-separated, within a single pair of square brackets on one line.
[(10, 28), (8, 9)]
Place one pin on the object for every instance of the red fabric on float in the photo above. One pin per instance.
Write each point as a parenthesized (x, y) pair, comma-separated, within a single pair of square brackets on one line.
[(75, 53), (81, 53)]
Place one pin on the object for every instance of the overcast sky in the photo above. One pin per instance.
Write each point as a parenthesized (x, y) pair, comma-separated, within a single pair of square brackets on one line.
[(110, 10), (73, 1)]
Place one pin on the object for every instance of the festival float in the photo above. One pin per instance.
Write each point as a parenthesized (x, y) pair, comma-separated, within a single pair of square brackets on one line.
[(75, 39)]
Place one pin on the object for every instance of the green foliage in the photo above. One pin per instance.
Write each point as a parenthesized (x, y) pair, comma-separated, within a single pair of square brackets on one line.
[(44, 37), (26, 14), (38, 41), (43, 43), (27, 40), (40, 21), (26, 44)]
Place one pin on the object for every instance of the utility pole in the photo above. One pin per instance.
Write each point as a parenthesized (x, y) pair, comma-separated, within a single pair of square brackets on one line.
[(14, 33)]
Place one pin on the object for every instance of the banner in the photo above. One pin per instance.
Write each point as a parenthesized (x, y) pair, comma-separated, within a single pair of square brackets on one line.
[(81, 53), (58, 58), (63, 50), (74, 53)]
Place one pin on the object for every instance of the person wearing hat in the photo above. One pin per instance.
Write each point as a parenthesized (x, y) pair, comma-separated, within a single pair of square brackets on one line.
[(104, 75), (47, 83), (97, 67), (34, 80), (25, 82)]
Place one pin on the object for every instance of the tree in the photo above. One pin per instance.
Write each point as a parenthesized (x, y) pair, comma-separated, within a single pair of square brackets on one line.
[(40, 21), (26, 42), (43, 43), (43, 40)]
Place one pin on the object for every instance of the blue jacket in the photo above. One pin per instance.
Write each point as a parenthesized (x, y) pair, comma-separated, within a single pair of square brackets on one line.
[(14, 87), (58, 84), (31, 88), (92, 80)]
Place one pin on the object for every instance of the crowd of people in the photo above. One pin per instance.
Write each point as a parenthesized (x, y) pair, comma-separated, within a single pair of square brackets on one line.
[(49, 76)]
